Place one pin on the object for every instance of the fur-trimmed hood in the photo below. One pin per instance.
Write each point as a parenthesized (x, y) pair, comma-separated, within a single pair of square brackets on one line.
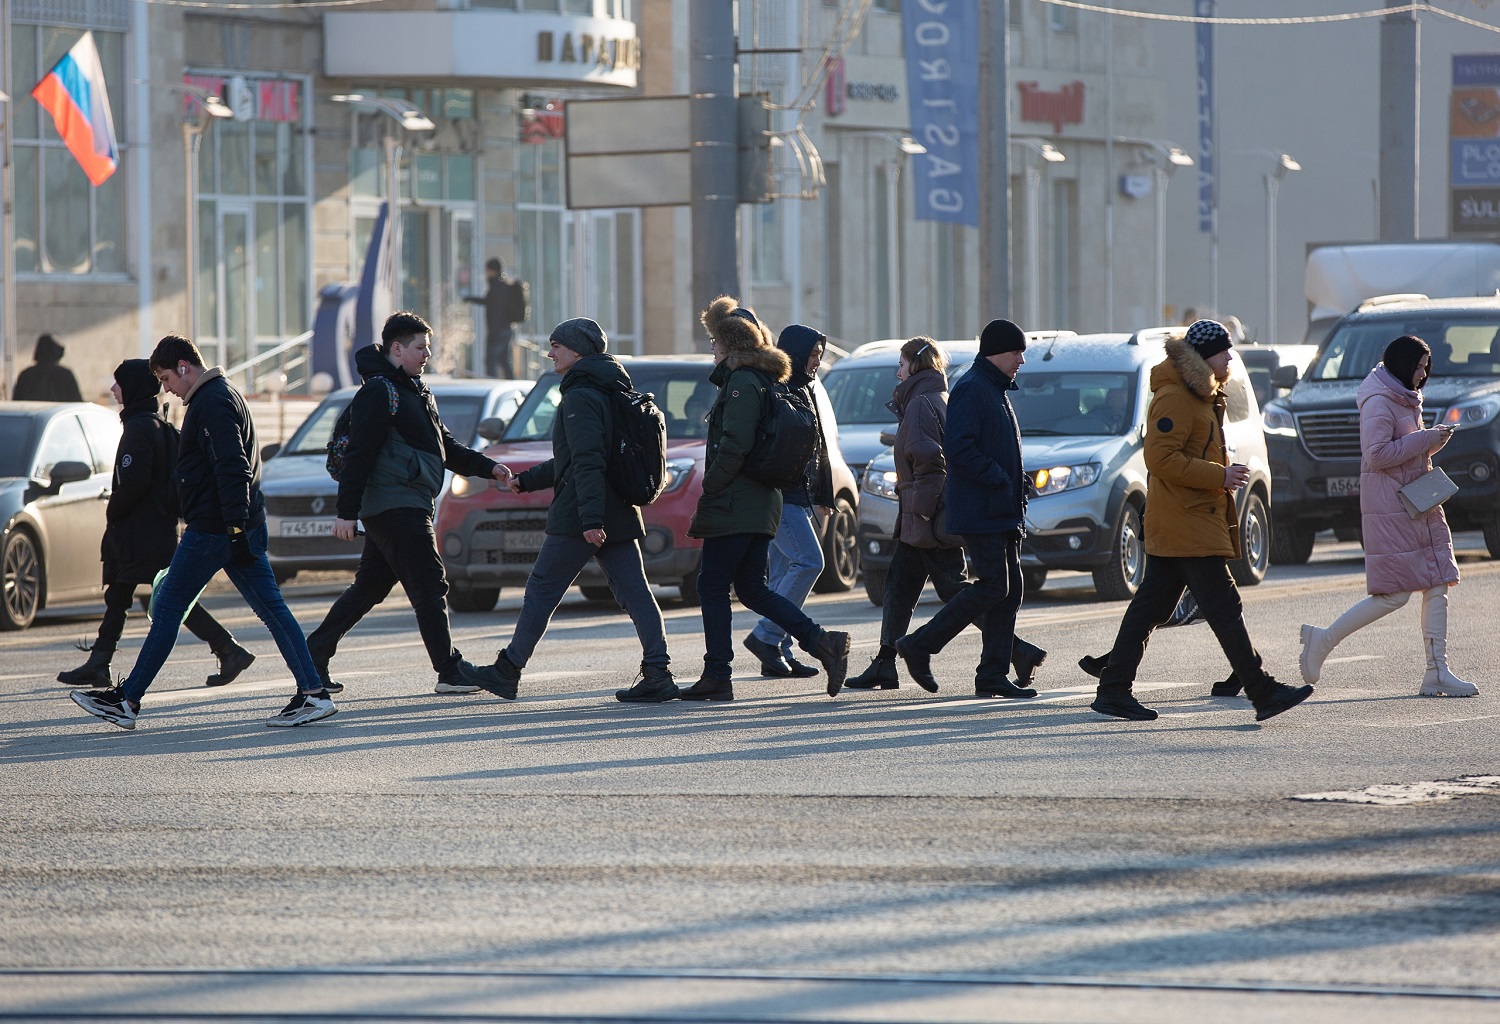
[(745, 343), (1189, 369)]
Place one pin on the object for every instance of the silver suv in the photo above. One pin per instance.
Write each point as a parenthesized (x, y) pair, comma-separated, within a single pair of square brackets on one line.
[(1082, 403)]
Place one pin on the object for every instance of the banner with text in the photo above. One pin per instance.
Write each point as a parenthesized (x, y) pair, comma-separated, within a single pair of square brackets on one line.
[(942, 83), (1206, 167), (1474, 145)]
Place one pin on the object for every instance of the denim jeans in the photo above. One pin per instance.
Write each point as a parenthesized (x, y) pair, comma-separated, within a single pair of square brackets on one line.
[(1161, 588), (119, 596), (558, 565), (993, 598), (909, 572), (198, 557), (740, 560), (794, 565), (400, 547)]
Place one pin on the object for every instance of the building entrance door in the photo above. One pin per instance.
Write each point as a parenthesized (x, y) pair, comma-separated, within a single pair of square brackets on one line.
[(234, 285)]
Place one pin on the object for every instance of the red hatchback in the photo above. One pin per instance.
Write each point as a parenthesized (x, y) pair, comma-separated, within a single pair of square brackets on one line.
[(490, 537)]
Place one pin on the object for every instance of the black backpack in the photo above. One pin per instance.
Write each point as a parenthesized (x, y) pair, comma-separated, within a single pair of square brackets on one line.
[(167, 498), (786, 438), (338, 441), (636, 463)]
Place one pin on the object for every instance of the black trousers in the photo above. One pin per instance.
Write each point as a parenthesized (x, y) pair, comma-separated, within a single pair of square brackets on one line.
[(991, 599), (1161, 588), (909, 571), (400, 547), (117, 599), (497, 359)]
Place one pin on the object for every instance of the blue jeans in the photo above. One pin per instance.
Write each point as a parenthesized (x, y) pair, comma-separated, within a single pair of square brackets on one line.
[(740, 559), (198, 557), (794, 565)]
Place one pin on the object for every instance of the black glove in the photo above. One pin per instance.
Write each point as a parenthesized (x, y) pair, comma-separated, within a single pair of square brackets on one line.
[(239, 547)]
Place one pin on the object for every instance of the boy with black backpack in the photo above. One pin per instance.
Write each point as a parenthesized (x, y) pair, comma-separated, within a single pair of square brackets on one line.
[(595, 508), (140, 533)]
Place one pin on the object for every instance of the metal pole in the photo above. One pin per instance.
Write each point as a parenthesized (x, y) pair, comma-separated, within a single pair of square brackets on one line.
[(994, 164), (892, 171), (715, 160), (191, 134), (1033, 247), (1400, 100), (1161, 241), (1273, 182), (1109, 174), (7, 214)]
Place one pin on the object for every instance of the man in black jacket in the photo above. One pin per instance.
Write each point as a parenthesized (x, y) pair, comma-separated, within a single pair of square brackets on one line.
[(587, 519), (218, 487), (398, 448), (506, 304), (47, 379), (140, 532)]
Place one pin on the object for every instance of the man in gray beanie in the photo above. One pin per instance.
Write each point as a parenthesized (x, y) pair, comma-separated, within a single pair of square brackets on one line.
[(587, 519)]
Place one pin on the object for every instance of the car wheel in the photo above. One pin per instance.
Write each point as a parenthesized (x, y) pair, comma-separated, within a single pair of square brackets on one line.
[(473, 599), (283, 574), (875, 586), (595, 592), (840, 551), (1255, 544), (1033, 579), (1118, 579), (23, 581), (688, 586), (1291, 543)]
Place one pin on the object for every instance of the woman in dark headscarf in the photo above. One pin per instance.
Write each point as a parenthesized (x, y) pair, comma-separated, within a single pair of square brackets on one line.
[(1403, 555), (140, 533)]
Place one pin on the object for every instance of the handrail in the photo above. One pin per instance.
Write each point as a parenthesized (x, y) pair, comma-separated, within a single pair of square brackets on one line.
[(301, 339)]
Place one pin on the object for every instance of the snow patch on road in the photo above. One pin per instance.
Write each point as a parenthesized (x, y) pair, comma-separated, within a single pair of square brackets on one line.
[(1395, 794)]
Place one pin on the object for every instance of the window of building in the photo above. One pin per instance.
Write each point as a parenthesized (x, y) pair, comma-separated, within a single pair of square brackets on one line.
[(767, 243), (1064, 253), (1062, 19), (893, 6), (1017, 15), (64, 225)]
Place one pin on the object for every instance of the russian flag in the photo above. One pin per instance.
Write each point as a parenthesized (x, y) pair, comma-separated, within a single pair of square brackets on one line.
[(73, 93)]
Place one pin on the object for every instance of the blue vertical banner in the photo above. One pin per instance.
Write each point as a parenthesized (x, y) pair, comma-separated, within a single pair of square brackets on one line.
[(942, 83), (1206, 163)]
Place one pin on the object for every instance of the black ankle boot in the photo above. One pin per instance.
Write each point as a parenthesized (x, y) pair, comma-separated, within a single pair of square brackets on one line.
[(709, 688), (654, 687), (1092, 665), (1119, 702), (832, 650), (881, 675), (772, 664), (233, 660), (1026, 658), (93, 672), (1226, 688), (918, 664)]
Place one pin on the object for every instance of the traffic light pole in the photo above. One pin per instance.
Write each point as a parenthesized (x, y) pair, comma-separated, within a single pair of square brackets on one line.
[(715, 158)]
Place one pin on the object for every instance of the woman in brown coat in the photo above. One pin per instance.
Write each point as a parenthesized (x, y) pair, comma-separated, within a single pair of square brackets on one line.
[(923, 551)]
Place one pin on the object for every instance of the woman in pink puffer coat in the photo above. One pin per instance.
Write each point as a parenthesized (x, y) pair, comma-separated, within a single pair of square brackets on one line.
[(1402, 555)]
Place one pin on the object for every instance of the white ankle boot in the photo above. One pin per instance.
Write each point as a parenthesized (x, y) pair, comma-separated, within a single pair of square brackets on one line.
[(1317, 645), (1439, 681)]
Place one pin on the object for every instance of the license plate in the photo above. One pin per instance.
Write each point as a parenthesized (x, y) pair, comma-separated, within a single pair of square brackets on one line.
[(1343, 486), (307, 527), (522, 540)]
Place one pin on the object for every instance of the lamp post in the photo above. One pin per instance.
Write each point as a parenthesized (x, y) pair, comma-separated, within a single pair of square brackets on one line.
[(1284, 163), (210, 107), (1164, 158), (1052, 155)]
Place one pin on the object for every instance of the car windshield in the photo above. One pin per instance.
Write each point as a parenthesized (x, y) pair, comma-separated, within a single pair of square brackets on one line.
[(460, 413), (15, 445), (1073, 402), (859, 393), (683, 394), (1461, 347)]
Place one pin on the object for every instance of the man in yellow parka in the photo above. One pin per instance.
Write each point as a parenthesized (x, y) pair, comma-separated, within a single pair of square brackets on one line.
[(1191, 527)]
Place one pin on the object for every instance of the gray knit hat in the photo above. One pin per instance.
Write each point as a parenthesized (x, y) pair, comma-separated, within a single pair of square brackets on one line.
[(582, 335)]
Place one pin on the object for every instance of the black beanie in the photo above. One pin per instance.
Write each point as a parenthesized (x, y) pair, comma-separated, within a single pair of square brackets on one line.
[(136, 381), (1402, 356), (1209, 338), (1001, 336)]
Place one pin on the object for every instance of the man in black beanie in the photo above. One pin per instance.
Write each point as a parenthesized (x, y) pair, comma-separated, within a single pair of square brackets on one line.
[(985, 497)]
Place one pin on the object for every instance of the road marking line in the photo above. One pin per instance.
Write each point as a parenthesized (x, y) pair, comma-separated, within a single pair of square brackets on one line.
[(1399, 794), (1418, 725)]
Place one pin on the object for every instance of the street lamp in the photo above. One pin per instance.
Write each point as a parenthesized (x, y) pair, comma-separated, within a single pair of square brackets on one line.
[(1284, 164), (1052, 155), (408, 116), (1164, 158)]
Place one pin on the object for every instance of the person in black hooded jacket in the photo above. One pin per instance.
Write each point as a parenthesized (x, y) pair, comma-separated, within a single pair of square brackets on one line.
[(398, 449), (796, 559), (587, 519), (140, 532), (47, 380)]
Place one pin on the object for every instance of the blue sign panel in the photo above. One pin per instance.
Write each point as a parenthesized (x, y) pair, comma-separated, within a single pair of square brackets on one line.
[(942, 82), (1476, 69), (1476, 161), (1205, 47)]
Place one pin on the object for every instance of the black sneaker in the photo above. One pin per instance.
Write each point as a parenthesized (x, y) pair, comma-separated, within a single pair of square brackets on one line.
[(109, 705), (918, 664), (800, 670), (328, 683), (833, 652), (1093, 666), (708, 688), (1280, 697), (502, 678), (1001, 687), (1226, 688), (231, 663), (1122, 704), (654, 687)]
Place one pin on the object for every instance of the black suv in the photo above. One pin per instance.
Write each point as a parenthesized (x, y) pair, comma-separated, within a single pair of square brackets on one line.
[(1312, 434)]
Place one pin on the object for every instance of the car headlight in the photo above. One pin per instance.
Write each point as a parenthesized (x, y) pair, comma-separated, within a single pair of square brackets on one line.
[(1277, 419), (678, 471), (1473, 414), (881, 483), (1065, 478)]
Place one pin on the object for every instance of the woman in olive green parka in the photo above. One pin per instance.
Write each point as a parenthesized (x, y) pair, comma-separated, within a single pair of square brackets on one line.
[(737, 516)]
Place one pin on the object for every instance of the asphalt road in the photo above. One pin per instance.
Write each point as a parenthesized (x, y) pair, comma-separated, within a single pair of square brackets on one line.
[(880, 856)]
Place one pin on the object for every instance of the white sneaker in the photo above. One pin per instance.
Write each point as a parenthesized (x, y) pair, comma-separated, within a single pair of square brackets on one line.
[(304, 708), (109, 705)]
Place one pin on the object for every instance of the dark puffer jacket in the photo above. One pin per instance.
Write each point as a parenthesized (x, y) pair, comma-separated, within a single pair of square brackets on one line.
[(218, 464), (798, 343), (987, 485), (580, 440), (920, 403), (140, 533), (397, 461)]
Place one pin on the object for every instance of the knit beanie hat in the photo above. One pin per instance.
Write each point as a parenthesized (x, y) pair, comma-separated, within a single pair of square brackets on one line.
[(1402, 356), (1001, 336), (580, 334), (136, 381), (1208, 338)]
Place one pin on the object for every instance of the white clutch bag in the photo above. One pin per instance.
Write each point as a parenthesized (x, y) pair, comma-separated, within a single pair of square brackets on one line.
[(1427, 492)]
